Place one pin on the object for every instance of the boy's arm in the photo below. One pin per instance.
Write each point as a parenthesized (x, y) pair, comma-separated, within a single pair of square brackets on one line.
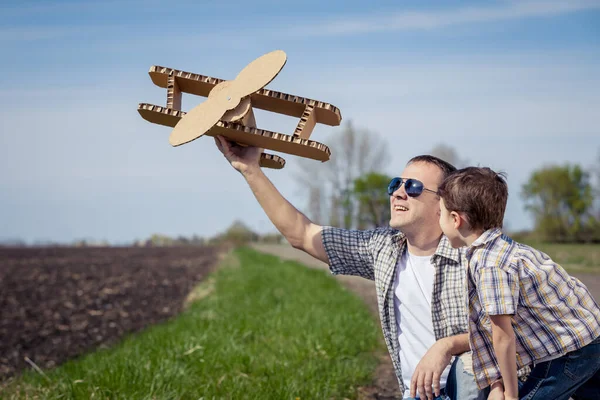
[(503, 338), (498, 291)]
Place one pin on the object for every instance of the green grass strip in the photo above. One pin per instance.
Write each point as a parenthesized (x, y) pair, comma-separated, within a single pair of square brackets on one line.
[(265, 329)]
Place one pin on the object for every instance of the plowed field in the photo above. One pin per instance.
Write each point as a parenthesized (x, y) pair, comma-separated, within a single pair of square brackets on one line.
[(57, 303)]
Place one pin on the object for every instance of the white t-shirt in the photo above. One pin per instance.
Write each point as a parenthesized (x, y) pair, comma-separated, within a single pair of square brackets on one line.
[(412, 301)]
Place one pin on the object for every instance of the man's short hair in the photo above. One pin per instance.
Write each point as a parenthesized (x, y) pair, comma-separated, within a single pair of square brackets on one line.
[(444, 166), (478, 192)]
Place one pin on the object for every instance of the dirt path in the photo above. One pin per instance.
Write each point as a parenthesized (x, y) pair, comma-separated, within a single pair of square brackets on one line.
[(385, 384)]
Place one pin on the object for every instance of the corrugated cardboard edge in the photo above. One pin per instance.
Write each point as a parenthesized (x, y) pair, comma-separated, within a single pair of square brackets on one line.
[(265, 99), (290, 144)]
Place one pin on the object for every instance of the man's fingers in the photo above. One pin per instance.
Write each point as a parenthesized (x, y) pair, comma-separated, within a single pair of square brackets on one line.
[(421, 384), (226, 147), (219, 144), (413, 383), (436, 383), (427, 382), (422, 391)]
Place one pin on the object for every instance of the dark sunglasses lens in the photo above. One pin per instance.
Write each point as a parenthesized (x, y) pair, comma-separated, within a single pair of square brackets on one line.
[(413, 187), (394, 185)]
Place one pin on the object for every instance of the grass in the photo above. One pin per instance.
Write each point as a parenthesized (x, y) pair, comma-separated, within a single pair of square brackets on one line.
[(261, 329)]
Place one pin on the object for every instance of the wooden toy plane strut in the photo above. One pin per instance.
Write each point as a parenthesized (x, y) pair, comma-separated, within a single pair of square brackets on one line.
[(228, 110)]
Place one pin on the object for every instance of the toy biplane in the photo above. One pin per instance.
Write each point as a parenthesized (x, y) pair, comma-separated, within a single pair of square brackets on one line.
[(228, 110)]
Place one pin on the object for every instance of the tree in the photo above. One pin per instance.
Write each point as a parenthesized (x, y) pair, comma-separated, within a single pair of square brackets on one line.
[(158, 240), (560, 198), (448, 154), (374, 202), (239, 234), (330, 185)]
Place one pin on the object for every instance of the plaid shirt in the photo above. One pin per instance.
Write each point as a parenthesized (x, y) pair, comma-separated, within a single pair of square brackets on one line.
[(374, 254), (553, 312)]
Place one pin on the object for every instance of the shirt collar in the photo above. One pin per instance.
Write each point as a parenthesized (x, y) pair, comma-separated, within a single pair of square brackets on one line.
[(484, 239), (444, 248)]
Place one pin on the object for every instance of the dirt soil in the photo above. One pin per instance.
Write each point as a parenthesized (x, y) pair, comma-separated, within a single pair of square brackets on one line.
[(58, 303), (385, 385)]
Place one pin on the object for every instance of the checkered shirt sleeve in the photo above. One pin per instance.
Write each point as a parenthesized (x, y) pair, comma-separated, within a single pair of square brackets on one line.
[(498, 290), (496, 278), (349, 251)]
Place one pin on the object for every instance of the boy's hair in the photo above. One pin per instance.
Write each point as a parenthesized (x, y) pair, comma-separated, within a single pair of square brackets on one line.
[(480, 193), (444, 166)]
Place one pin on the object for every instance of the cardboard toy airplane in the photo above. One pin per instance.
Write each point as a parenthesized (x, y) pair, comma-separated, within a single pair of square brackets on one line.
[(227, 111)]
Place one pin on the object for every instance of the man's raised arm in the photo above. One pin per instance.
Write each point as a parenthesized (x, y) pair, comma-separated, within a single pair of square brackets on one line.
[(299, 231)]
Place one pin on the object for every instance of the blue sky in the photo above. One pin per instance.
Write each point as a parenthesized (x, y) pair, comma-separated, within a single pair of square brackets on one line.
[(511, 85)]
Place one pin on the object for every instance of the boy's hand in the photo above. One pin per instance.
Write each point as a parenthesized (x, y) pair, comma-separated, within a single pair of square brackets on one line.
[(496, 395), (497, 391)]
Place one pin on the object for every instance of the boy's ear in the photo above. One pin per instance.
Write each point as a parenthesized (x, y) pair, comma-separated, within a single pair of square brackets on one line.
[(457, 220)]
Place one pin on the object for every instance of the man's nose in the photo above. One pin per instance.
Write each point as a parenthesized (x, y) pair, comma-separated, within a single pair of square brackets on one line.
[(400, 192)]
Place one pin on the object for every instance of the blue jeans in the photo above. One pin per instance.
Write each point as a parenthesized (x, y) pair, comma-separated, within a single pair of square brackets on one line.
[(461, 383), (576, 374)]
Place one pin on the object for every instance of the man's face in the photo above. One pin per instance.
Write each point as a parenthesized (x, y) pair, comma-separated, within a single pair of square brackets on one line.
[(409, 214)]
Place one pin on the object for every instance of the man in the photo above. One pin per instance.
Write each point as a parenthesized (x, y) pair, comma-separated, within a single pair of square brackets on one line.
[(416, 271)]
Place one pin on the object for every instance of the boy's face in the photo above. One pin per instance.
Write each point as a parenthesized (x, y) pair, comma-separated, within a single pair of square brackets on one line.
[(448, 225)]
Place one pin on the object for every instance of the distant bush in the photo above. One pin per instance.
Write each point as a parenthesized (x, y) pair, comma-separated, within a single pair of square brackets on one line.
[(238, 234)]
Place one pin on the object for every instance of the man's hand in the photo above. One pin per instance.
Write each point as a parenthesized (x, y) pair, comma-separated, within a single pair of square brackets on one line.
[(429, 370), (241, 158)]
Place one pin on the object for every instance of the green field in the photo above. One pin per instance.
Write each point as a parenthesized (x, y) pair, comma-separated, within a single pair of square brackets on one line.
[(261, 328)]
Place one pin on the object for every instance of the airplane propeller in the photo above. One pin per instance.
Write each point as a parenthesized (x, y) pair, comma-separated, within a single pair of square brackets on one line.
[(226, 96)]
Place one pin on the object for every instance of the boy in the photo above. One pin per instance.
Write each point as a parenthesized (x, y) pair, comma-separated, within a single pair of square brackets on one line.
[(524, 309)]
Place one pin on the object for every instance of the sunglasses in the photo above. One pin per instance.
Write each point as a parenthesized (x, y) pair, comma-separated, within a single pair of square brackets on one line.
[(413, 187)]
